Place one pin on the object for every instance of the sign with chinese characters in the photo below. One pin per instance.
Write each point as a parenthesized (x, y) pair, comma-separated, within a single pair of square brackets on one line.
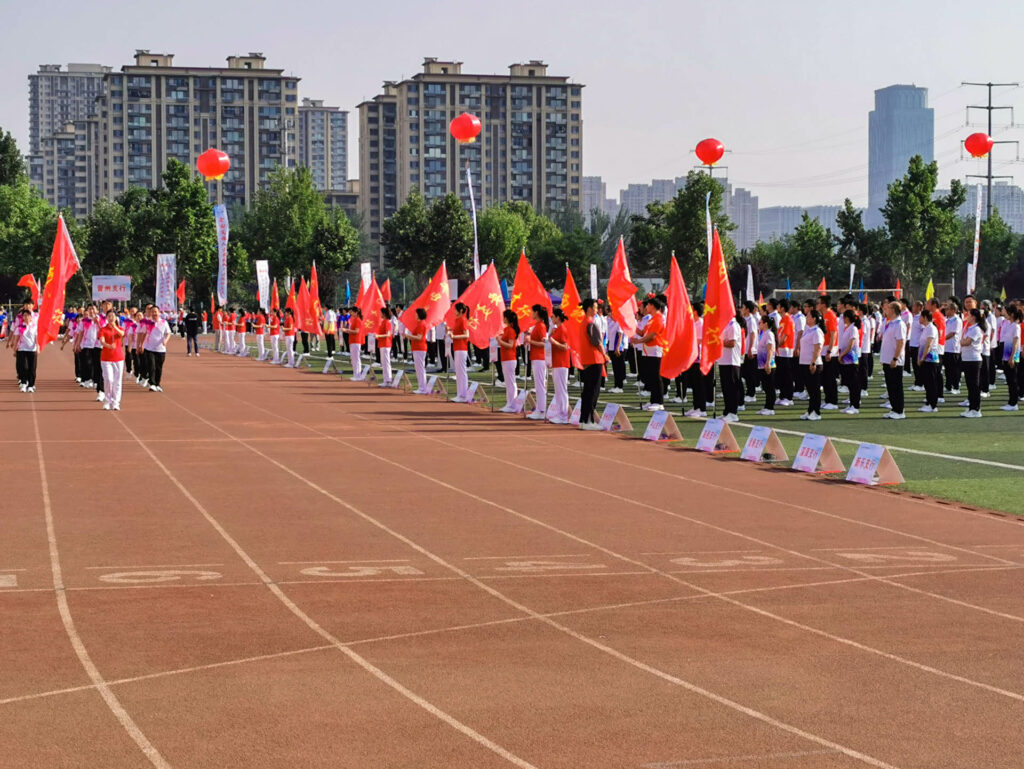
[(117, 288), (874, 465)]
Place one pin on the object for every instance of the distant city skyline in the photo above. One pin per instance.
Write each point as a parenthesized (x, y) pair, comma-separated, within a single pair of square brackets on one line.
[(776, 83)]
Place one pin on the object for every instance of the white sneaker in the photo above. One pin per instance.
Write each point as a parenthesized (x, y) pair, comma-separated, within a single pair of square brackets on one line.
[(805, 416), (88, 383), (830, 407), (964, 403), (503, 409), (645, 393), (984, 395), (741, 408), (695, 413), (154, 388), (851, 410), (1008, 407), (730, 418), (917, 388), (749, 398), (783, 402), (558, 421), (709, 405), (655, 407), (23, 387), (159, 389), (844, 389), (78, 379), (677, 400), (144, 383), (615, 390), (887, 405), (590, 426), (973, 414), (953, 392), (863, 393), (536, 415), (32, 389), (812, 417), (888, 415), (766, 412), (100, 397), (106, 407), (116, 407), (941, 400), (894, 415), (927, 410)]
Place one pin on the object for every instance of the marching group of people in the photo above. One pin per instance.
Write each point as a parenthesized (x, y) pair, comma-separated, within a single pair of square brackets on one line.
[(811, 351)]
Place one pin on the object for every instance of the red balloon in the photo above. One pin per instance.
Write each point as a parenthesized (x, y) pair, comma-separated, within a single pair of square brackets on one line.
[(465, 128), (213, 164), (710, 151), (979, 144)]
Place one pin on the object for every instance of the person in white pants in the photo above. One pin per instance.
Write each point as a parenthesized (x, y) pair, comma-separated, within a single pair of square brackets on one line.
[(384, 339), (507, 351), (538, 360), (259, 325), (240, 349), (458, 332), (558, 411), (354, 329), (288, 327), (112, 361), (417, 337)]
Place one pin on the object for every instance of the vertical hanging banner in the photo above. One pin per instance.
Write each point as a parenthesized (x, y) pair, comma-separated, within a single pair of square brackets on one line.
[(365, 274), (593, 281), (263, 282), (220, 214), (166, 268), (476, 243), (707, 221), (973, 271), (852, 268)]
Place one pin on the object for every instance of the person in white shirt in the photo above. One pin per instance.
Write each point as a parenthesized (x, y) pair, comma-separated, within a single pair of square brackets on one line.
[(1011, 355), (913, 345), (811, 342), (26, 350), (155, 346), (849, 358), (891, 356), (972, 341), (766, 362), (638, 350), (617, 345), (867, 346), (951, 348), (928, 357), (729, 370), (330, 331), (799, 324), (748, 368)]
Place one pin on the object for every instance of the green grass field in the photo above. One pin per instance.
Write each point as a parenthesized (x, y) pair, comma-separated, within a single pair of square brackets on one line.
[(996, 438)]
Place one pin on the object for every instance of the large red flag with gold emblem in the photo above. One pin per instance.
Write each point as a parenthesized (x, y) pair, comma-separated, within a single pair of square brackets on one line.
[(63, 264), (370, 303), (527, 290), (302, 306), (680, 331), (385, 290), (316, 311), (719, 307), (576, 319), (483, 298), (275, 299), (622, 292), (435, 299)]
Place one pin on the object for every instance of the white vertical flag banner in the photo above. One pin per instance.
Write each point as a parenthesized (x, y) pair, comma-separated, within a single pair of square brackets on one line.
[(166, 298), (973, 273), (707, 221), (750, 283), (852, 268), (593, 281), (220, 214), (263, 282), (365, 274), (476, 243)]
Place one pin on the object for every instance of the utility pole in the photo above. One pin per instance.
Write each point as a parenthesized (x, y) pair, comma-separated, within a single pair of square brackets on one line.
[(989, 109)]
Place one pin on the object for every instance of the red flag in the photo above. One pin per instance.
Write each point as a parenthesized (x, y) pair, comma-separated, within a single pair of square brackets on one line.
[(385, 290), (719, 307), (527, 290), (275, 300), (821, 287), (181, 292), (29, 282), (291, 300), (435, 300), (63, 264), (483, 297), (760, 298), (370, 304), (622, 293), (213, 310), (680, 331), (316, 311), (898, 293), (575, 318), (302, 306)]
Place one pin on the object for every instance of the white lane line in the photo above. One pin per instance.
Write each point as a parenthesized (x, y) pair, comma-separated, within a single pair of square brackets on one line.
[(703, 552), (471, 626), (129, 725), (736, 759), (687, 685), (158, 566), (580, 540), (364, 560), (516, 557), (918, 452), (361, 661)]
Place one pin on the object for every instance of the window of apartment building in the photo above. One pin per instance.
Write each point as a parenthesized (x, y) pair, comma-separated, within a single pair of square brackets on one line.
[(117, 107), (575, 90), (575, 142), (115, 79), (575, 129), (574, 154)]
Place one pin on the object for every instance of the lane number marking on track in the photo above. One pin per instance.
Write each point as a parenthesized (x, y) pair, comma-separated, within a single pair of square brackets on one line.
[(913, 555), (361, 571), (535, 566), (8, 580), (157, 576), (729, 563)]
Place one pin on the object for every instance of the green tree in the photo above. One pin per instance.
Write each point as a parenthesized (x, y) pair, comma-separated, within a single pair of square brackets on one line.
[(12, 166), (811, 252), (996, 255), (503, 234), (450, 237), (405, 237), (923, 229), (28, 225)]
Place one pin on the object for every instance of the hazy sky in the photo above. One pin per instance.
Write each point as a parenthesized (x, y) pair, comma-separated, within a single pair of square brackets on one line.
[(786, 85)]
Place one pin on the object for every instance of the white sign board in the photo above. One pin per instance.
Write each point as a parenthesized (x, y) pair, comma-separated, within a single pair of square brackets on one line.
[(716, 436), (117, 288), (614, 419), (763, 443), (817, 454), (874, 465), (662, 427)]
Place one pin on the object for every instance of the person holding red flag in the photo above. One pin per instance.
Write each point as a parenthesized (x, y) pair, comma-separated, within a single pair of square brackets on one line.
[(527, 291), (458, 330), (384, 334), (507, 342), (653, 341), (354, 329), (592, 359), (538, 360), (417, 336), (558, 411)]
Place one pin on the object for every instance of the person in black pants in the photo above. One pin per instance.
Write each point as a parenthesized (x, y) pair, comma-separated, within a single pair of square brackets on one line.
[(812, 342), (928, 356), (592, 358), (729, 370), (891, 357), (191, 325)]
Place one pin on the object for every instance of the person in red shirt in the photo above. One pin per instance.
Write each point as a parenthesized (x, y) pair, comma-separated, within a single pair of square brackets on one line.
[(112, 361), (205, 319), (259, 324), (830, 353), (459, 332), (558, 411), (507, 341), (538, 360), (275, 334), (229, 333), (784, 358), (592, 359), (653, 341), (288, 327), (240, 349), (383, 335), (355, 332), (218, 329), (417, 336)]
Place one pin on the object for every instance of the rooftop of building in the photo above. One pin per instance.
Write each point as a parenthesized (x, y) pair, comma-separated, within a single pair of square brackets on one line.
[(254, 60)]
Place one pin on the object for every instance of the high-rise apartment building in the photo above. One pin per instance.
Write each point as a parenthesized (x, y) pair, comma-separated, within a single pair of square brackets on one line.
[(65, 168), (594, 192), (776, 221), (323, 143), (58, 96), (741, 206), (153, 111), (900, 126), (530, 146), (635, 198)]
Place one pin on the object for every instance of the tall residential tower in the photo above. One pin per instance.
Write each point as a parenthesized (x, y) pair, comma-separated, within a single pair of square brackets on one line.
[(900, 126), (323, 144)]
